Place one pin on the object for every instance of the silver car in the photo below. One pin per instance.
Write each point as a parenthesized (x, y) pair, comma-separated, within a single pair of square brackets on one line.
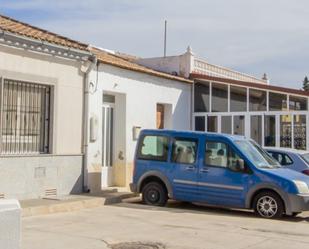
[(297, 160)]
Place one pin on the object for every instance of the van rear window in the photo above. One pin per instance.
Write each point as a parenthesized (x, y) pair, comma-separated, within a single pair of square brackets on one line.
[(153, 148)]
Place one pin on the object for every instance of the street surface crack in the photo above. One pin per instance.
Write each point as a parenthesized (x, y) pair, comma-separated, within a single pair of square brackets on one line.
[(137, 245), (275, 232)]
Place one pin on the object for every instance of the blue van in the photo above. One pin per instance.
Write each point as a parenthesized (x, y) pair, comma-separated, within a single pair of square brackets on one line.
[(216, 169)]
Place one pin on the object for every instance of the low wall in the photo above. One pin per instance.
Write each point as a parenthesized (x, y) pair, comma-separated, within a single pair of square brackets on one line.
[(10, 226), (29, 177)]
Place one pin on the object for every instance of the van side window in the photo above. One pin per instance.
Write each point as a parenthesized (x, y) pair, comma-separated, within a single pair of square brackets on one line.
[(153, 148), (184, 150), (221, 155)]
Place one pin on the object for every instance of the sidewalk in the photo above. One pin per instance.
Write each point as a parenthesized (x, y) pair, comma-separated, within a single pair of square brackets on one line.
[(69, 203)]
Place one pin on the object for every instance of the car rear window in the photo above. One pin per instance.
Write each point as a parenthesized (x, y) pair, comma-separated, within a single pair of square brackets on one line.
[(153, 148), (282, 158), (306, 157)]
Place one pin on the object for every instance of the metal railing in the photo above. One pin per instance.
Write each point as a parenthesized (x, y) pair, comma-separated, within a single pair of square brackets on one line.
[(25, 117), (203, 67)]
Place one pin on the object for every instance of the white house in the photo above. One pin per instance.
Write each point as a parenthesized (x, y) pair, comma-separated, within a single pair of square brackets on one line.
[(125, 97), (42, 78), (69, 117), (228, 101)]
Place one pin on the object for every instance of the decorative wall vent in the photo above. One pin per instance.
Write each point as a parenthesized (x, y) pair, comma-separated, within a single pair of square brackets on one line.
[(52, 192), (2, 196)]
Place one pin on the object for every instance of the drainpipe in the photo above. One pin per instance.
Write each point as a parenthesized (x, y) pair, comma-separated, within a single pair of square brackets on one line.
[(91, 63)]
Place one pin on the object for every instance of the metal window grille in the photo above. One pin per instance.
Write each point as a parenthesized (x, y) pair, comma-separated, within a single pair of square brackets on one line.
[(25, 117)]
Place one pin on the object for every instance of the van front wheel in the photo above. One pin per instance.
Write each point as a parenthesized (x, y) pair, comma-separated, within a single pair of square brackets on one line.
[(268, 205), (154, 194)]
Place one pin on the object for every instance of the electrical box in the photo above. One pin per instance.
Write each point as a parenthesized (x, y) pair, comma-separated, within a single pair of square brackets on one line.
[(94, 126), (136, 132)]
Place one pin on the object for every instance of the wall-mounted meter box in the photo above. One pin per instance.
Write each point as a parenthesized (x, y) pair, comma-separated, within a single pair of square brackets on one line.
[(136, 131), (94, 126)]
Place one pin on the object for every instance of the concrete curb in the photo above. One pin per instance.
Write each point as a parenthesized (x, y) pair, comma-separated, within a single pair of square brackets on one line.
[(70, 203)]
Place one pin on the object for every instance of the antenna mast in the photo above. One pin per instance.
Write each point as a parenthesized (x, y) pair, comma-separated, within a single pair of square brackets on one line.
[(165, 32)]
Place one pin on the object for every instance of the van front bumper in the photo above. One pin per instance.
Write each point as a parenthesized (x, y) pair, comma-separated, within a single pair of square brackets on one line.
[(298, 203), (133, 187)]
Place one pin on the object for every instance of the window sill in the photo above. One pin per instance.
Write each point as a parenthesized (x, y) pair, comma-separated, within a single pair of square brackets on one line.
[(37, 155)]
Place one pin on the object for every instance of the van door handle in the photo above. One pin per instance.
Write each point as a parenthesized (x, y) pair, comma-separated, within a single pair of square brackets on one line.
[(190, 168), (204, 170)]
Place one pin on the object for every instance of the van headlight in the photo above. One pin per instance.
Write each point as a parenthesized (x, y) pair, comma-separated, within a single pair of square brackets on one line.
[(301, 186)]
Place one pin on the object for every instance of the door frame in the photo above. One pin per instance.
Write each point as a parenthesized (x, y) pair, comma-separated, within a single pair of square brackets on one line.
[(104, 125)]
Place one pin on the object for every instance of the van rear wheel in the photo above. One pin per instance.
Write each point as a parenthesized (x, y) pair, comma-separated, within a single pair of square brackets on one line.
[(154, 194), (268, 205)]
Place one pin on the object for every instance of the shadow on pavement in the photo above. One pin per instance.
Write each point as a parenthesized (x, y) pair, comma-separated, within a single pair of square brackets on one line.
[(186, 207)]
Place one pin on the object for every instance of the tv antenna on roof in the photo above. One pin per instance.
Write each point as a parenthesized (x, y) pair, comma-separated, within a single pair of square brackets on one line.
[(165, 33)]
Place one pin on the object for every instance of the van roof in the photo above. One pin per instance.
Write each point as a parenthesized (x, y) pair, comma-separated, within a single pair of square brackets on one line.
[(188, 133)]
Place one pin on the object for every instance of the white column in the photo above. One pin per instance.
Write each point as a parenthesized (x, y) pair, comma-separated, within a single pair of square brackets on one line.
[(192, 124), (307, 131), (229, 98), (219, 123), (292, 130), (247, 126), (210, 97), (263, 129), (248, 100), (278, 130)]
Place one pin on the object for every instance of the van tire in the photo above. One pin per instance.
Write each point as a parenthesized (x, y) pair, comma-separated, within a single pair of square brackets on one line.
[(261, 205), (154, 194)]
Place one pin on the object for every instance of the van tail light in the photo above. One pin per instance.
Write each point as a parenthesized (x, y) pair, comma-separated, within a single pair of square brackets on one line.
[(306, 172)]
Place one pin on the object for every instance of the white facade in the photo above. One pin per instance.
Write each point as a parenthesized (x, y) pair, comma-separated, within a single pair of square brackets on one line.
[(135, 105), (35, 174)]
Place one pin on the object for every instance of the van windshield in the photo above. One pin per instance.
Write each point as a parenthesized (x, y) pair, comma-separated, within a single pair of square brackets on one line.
[(257, 155)]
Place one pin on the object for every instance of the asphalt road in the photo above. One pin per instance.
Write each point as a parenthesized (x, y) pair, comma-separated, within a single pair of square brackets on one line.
[(179, 225)]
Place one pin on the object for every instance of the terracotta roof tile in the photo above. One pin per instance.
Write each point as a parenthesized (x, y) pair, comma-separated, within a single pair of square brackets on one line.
[(119, 60), (123, 62), (19, 28)]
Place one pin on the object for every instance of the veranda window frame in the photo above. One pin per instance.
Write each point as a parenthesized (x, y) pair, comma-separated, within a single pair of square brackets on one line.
[(249, 113)]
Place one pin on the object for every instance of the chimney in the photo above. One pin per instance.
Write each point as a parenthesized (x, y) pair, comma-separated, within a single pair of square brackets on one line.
[(265, 78)]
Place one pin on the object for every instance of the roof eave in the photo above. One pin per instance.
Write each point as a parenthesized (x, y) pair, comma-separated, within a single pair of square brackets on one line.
[(22, 42)]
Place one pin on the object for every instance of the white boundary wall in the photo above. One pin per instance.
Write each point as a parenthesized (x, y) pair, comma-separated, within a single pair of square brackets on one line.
[(10, 224)]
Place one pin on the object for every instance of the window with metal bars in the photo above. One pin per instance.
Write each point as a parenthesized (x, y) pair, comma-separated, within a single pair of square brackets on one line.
[(25, 117)]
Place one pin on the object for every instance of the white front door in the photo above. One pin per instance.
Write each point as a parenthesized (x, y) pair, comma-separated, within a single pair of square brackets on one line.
[(107, 144)]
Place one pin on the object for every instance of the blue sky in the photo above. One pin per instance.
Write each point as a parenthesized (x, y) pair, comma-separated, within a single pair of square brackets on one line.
[(252, 36)]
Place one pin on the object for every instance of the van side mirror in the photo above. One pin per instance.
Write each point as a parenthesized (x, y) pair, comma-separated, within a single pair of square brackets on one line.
[(240, 165)]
